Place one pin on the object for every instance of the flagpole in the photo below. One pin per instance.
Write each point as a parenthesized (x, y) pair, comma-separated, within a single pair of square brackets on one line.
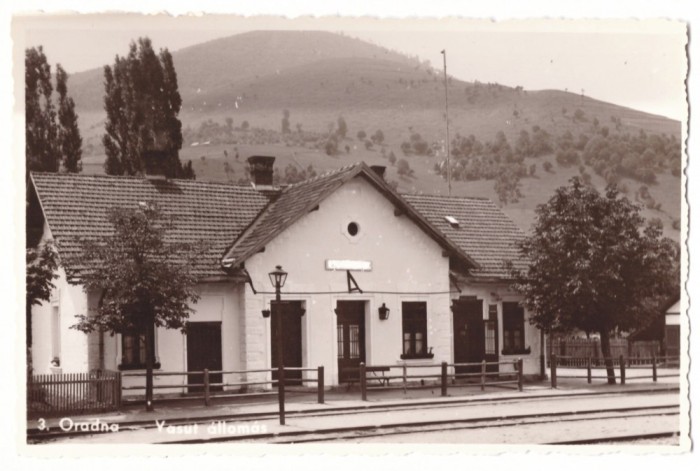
[(447, 125)]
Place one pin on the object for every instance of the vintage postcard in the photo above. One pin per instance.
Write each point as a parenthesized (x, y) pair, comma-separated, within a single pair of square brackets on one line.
[(453, 234)]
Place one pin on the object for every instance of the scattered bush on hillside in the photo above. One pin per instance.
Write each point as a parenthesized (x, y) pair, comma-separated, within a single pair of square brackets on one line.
[(378, 137), (368, 144), (331, 145), (403, 168), (361, 135), (547, 166), (676, 224), (292, 174), (579, 115), (392, 158), (507, 186)]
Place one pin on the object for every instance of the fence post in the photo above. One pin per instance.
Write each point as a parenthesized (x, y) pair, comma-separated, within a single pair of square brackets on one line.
[(363, 382), (653, 366), (553, 367), (207, 399), (622, 369), (320, 383), (588, 367), (520, 374), (483, 374), (404, 378), (443, 379), (119, 389)]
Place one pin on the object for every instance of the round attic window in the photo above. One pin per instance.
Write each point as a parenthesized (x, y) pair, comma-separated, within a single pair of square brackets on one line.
[(353, 229)]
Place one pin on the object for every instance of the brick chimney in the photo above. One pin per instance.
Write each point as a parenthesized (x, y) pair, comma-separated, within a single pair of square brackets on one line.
[(261, 168), (379, 170)]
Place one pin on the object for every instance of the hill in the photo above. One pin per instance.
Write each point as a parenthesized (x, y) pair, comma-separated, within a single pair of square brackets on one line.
[(236, 89)]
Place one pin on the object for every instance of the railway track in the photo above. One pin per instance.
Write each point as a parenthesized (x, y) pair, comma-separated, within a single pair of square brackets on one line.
[(386, 429)]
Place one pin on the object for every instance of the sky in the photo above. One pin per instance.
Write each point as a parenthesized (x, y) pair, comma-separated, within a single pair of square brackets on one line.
[(638, 64)]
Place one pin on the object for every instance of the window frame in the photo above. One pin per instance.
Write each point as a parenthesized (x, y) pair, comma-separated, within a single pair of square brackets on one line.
[(138, 335), (513, 329), (414, 320)]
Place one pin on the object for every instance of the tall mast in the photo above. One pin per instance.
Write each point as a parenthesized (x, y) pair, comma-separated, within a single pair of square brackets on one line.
[(447, 125)]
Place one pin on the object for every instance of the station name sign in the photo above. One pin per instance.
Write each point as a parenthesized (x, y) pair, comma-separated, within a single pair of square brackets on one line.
[(357, 265)]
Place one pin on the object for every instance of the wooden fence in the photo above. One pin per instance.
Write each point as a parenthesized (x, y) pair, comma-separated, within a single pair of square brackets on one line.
[(575, 352), (380, 377), (206, 389), (73, 393)]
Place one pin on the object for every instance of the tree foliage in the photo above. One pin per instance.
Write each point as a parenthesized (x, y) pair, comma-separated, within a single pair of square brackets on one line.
[(594, 266), (42, 263), (52, 137), (144, 281), (143, 131)]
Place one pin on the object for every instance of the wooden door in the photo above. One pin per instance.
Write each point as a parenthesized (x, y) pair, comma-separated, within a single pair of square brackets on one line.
[(204, 351), (291, 312), (350, 338), (469, 334)]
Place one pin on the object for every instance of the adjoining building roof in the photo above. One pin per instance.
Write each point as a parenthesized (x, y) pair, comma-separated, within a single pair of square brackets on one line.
[(237, 221), (483, 231), (297, 200), (76, 206)]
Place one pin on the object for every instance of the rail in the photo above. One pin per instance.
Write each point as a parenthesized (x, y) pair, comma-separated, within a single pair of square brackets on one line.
[(590, 364), (209, 386), (444, 378)]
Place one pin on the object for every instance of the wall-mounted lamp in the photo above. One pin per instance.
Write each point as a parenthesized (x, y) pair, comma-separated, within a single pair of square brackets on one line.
[(384, 312), (266, 313)]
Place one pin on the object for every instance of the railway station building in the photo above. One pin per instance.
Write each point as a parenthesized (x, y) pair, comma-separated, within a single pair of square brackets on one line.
[(374, 276)]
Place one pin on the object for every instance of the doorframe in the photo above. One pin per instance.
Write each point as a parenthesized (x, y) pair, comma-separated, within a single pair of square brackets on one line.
[(367, 302), (305, 332)]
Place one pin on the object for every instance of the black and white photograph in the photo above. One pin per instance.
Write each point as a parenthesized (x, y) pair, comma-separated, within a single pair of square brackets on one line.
[(352, 232)]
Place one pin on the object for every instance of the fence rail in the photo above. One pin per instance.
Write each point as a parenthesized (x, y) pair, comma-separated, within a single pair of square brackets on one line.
[(591, 365), (374, 377), (206, 389), (75, 393), (575, 352)]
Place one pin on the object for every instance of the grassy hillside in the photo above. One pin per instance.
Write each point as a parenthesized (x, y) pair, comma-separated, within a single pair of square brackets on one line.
[(318, 77)]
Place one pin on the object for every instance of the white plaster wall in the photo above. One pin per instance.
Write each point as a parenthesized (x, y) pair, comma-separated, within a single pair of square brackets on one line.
[(219, 302), (493, 293), (404, 260)]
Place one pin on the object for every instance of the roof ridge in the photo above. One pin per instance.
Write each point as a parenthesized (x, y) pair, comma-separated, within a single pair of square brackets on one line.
[(138, 178), (329, 173), (463, 197)]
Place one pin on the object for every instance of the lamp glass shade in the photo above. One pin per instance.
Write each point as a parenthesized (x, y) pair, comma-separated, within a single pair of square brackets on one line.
[(383, 312), (278, 277)]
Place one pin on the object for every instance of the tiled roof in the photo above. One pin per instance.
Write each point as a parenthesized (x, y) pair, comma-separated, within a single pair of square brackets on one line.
[(297, 200), (484, 231), (216, 213), (238, 220)]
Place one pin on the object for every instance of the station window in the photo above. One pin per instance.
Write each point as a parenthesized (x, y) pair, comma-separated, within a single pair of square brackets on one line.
[(513, 328), (414, 316)]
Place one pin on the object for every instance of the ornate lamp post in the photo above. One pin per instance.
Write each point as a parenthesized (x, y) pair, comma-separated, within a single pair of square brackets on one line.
[(277, 278)]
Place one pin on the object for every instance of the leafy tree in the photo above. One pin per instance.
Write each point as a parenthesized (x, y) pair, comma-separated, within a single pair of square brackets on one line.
[(70, 142), (378, 137), (52, 137), (40, 114), (143, 131), (42, 263), (144, 281), (507, 185), (594, 266), (285, 122), (361, 135)]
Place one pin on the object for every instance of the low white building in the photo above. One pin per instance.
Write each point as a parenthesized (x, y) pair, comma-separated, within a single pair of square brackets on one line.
[(350, 244)]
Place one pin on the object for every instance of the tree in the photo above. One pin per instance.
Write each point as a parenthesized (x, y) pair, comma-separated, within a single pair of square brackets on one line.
[(342, 127), (594, 266), (70, 142), (142, 130), (42, 263), (143, 280), (52, 138), (285, 122)]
